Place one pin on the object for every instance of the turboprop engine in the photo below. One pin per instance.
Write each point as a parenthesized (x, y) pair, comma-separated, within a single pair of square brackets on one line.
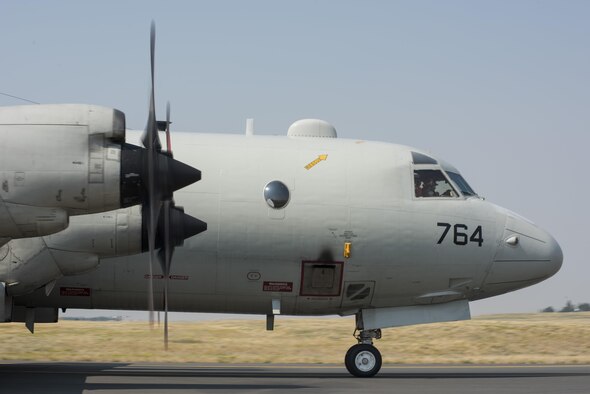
[(71, 159), (62, 160), (29, 264)]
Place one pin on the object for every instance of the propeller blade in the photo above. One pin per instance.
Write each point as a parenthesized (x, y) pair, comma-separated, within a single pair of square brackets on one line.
[(151, 142), (168, 247), (159, 176), (168, 142), (150, 138), (174, 227), (165, 257), (150, 208), (166, 313)]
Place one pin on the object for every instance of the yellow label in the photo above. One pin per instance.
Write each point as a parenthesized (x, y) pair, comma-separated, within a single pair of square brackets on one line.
[(347, 246)]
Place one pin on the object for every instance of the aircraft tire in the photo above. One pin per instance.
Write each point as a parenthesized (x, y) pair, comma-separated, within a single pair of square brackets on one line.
[(363, 361)]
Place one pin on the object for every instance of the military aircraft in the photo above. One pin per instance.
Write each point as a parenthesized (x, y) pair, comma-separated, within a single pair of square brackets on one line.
[(302, 224)]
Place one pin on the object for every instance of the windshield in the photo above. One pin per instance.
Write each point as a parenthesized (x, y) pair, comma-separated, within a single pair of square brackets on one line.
[(432, 183), (462, 184)]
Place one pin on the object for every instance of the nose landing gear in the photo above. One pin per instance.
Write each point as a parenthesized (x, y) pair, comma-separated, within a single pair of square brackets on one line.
[(363, 359)]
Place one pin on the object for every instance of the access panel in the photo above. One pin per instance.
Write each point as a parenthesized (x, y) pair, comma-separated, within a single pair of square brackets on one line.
[(320, 278)]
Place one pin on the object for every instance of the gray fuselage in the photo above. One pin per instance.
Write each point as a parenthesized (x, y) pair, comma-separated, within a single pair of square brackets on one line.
[(345, 196)]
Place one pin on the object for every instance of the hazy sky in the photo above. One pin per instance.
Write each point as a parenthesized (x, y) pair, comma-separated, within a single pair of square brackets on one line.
[(501, 89)]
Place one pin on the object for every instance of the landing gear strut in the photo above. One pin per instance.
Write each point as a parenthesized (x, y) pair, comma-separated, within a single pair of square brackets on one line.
[(363, 359)]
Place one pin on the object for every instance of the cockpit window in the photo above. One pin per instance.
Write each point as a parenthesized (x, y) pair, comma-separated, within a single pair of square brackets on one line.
[(432, 183), (462, 184), (420, 158)]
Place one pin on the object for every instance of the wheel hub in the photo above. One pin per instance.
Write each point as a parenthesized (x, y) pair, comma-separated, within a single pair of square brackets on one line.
[(365, 361)]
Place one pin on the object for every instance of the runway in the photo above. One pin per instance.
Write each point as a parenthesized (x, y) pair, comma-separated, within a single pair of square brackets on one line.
[(98, 378)]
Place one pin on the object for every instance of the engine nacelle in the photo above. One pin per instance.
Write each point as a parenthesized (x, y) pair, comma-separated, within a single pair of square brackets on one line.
[(107, 234), (61, 156), (28, 264), (21, 221), (73, 158), (121, 233), (31, 263)]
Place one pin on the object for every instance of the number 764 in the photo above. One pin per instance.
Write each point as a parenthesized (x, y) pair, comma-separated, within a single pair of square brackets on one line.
[(461, 234)]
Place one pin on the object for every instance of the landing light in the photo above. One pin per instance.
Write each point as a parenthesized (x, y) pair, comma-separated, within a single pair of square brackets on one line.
[(513, 240)]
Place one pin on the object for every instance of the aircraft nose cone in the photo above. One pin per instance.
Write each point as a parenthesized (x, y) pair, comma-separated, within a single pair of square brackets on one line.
[(526, 255), (555, 255)]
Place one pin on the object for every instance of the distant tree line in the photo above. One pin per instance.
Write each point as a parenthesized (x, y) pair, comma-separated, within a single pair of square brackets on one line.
[(97, 318), (570, 307)]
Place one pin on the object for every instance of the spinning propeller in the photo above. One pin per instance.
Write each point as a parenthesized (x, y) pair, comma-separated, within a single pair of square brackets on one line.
[(165, 225)]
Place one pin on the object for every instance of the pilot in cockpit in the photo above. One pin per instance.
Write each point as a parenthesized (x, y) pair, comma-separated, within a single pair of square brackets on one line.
[(430, 181), (417, 185), (424, 185)]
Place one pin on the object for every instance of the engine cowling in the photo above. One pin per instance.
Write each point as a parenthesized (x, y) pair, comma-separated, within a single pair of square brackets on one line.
[(28, 264), (61, 156), (71, 159), (31, 263), (22, 221)]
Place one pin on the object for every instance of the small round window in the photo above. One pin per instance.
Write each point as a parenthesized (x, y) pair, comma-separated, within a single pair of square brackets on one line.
[(276, 194)]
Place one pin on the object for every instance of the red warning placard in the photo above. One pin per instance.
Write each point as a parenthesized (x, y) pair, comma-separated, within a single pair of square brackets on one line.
[(283, 287), (74, 291), (171, 277)]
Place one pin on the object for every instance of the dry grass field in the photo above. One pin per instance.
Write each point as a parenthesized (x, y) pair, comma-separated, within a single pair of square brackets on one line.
[(548, 338)]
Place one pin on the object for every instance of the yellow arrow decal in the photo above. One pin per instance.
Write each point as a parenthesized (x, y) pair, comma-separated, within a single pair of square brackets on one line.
[(316, 161)]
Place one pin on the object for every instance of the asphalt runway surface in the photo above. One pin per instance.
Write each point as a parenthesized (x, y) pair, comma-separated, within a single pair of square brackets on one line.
[(98, 378)]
